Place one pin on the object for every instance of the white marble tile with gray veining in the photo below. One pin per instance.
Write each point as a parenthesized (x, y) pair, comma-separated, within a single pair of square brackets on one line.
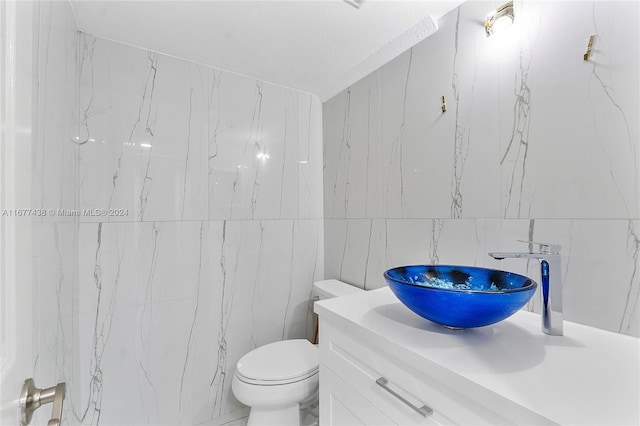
[(397, 138), (140, 286), (55, 111), (168, 308), (53, 188), (143, 134), (309, 159), (54, 288), (566, 138), (353, 162), (261, 164)]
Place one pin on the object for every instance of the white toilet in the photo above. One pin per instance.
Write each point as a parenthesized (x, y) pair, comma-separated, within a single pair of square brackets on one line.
[(277, 379)]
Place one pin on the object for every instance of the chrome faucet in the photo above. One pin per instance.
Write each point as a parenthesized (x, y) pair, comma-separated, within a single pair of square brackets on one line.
[(551, 283)]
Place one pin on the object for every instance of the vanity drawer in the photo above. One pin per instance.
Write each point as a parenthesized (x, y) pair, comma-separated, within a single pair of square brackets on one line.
[(341, 405), (407, 396)]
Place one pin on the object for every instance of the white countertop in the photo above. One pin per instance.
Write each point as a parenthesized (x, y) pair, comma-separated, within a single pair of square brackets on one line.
[(587, 376)]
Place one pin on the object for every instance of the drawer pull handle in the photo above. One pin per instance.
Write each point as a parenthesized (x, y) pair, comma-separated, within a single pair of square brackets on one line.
[(424, 410)]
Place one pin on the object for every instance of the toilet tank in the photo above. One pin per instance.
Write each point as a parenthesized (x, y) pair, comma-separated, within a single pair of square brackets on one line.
[(328, 289)]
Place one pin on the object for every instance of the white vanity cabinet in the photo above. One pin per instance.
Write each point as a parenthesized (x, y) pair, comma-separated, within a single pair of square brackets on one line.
[(434, 376), (353, 368), (351, 382)]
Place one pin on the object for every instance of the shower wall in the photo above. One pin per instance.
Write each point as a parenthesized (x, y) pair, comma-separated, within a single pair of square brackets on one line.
[(535, 144)]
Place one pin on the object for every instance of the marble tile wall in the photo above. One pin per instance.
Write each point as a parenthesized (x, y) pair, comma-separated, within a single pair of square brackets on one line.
[(535, 144), (165, 139), (205, 233), (55, 110), (184, 225), (53, 189)]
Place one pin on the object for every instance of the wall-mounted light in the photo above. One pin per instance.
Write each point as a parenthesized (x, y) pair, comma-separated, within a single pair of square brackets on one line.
[(500, 18)]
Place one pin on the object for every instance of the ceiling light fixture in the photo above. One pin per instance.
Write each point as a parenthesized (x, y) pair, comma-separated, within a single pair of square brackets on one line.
[(498, 19)]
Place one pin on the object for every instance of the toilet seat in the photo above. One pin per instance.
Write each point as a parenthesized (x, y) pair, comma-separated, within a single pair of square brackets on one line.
[(251, 381), (279, 363)]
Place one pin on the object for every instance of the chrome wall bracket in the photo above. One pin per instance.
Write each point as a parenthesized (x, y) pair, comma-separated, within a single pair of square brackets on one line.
[(31, 398)]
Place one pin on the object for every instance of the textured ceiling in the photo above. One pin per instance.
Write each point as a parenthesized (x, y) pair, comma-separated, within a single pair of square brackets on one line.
[(319, 46)]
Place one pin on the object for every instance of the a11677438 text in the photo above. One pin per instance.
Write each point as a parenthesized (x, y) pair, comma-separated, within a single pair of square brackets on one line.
[(64, 212)]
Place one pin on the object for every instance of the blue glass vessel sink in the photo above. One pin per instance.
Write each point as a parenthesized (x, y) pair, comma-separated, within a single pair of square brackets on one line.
[(460, 296)]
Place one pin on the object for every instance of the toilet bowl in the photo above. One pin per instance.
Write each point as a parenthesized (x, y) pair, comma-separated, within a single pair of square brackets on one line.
[(277, 379)]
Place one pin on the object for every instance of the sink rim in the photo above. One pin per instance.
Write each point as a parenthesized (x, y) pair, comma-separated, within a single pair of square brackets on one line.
[(528, 287)]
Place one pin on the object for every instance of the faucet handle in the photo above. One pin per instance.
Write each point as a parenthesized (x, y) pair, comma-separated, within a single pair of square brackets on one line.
[(545, 248)]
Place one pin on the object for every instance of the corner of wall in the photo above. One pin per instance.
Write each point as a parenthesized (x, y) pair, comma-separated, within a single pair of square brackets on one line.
[(377, 59)]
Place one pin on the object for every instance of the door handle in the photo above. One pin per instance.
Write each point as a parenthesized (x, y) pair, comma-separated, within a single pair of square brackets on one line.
[(31, 398)]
